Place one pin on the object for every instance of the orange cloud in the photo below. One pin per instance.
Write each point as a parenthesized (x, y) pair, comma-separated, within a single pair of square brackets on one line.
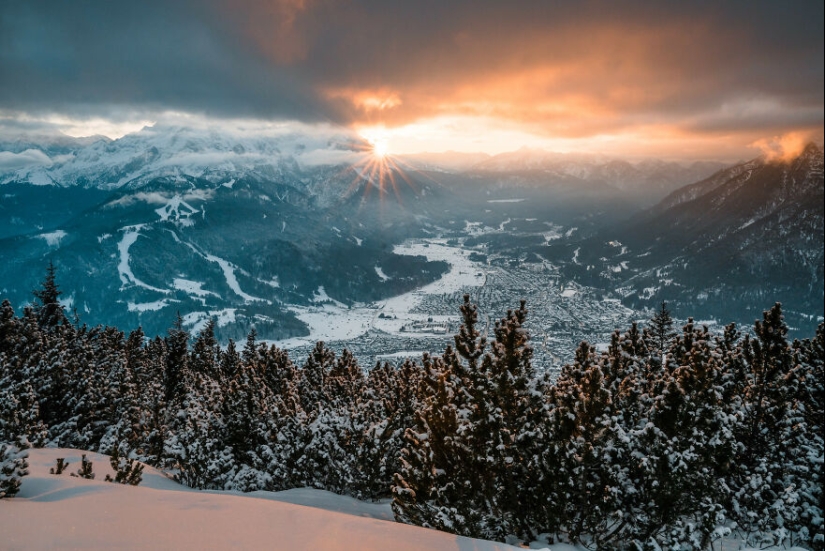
[(366, 100), (786, 146)]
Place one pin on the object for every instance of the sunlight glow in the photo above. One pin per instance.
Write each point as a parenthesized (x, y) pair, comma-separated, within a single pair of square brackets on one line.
[(379, 139), (380, 148), (378, 170)]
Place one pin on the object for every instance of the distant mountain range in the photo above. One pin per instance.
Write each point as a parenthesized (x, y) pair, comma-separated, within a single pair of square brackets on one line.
[(242, 225), (734, 242)]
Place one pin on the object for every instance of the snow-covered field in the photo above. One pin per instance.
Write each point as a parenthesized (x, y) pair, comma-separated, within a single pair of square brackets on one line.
[(64, 512), (331, 321)]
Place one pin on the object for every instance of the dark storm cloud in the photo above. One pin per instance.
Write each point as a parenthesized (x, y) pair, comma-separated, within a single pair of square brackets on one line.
[(96, 58), (564, 69)]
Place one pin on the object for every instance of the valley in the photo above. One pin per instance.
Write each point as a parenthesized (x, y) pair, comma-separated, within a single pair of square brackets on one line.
[(425, 319), (305, 237)]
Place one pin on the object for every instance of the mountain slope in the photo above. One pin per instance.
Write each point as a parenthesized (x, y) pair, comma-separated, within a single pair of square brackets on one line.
[(732, 244), (244, 224), (69, 512)]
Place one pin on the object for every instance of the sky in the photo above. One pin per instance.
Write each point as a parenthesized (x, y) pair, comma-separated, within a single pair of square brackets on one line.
[(700, 79)]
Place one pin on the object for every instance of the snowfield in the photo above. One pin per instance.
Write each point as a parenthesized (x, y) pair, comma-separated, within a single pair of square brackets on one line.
[(332, 321), (64, 512)]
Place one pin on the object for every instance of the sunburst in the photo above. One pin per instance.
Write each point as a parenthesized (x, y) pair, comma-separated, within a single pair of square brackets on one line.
[(378, 168)]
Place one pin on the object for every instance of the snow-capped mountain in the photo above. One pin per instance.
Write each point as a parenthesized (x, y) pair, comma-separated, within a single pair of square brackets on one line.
[(647, 180), (235, 226), (244, 225), (178, 152), (736, 241)]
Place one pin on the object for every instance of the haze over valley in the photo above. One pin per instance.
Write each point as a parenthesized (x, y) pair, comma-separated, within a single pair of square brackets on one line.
[(308, 236)]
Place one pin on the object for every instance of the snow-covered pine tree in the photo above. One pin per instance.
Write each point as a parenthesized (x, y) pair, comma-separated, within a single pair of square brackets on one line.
[(194, 448), (8, 331), (690, 443), (388, 410), (341, 425), (127, 470), (509, 430), (47, 307), (433, 463), (21, 351), (583, 428), (86, 469), (92, 364), (13, 466), (312, 376), (177, 357), (661, 326), (204, 356), (249, 414), (143, 407), (153, 406), (802, 500), (761, 469), (478, 437)]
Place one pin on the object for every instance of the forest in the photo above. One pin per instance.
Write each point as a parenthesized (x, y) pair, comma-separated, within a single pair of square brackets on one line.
[(669, 439)]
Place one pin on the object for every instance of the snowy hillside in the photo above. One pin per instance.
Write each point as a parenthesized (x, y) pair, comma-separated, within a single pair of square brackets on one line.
[(748, 234), (65, 512), (72, 513)]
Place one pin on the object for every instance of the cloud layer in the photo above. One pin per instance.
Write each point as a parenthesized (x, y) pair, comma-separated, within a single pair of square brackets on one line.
[(561, 70)]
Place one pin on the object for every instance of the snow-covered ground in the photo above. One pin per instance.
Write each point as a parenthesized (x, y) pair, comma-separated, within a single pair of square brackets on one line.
[(64, 512), (127, 278), (53, 239), (332, 321)]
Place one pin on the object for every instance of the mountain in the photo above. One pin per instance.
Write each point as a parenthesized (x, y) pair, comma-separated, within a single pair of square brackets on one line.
[(245, 225), (646, 181), (453, 161), (239, 227), (729, 245)]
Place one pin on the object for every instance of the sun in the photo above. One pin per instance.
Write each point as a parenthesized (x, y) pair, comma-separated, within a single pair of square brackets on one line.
[(379, 142), (378, 169), (380, 148)]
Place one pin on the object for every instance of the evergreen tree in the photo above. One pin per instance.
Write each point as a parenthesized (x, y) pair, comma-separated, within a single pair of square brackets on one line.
[(249, 414), (388, 410), (47, 307), (13, 466), (177, 348), (661, 326), (762, 466), (86, 469), (478, 438), (127, 471)]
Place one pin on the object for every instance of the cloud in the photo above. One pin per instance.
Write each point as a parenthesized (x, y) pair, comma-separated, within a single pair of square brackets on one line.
[(785, 147), (29, 158), (559, 70)]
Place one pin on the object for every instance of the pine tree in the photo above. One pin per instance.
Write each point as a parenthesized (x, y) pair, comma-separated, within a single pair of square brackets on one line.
[(127, 470), (249, 414), (661, 325), (47, 308), (476, 446), (13, 466), (86, 469), (177, 357), (60, 466), (761, 467)]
